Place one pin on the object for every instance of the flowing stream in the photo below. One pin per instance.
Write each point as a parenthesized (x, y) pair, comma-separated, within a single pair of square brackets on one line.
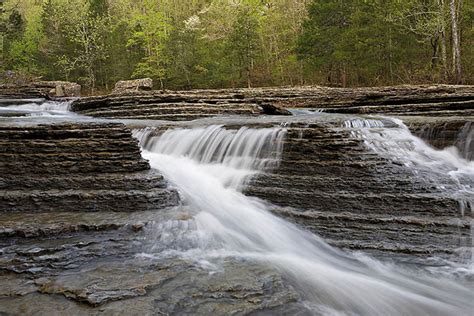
[(211, 165)]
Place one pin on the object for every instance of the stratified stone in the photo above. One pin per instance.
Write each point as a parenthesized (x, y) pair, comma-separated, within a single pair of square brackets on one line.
[(172, 106), (330, 183), (77, 167), (41, 89), (442, 132), (432, 100)]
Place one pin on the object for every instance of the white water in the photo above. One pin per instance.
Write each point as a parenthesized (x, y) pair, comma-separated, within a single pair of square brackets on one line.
[(46, 108), (210, 165), (466, 140), (400, 145)]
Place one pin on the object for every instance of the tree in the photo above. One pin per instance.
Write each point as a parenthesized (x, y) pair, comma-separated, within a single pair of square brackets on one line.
[(244, 41), (454, 7), (151, 30), (222, 43)]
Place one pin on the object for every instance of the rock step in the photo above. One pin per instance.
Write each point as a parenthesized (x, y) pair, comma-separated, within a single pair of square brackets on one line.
[(410, 108), (68, 167), (403, 234), (47, 224), (396, 185), (167, 108), (83, 167), (362, 201), (21, 146), (123, 181), (401, 100), (86, 200), (445, 131)]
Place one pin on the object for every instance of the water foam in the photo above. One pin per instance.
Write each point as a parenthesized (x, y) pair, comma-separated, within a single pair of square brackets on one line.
[(210, 165)]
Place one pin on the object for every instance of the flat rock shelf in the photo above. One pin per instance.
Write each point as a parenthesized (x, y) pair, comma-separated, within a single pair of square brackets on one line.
[(428, 100)]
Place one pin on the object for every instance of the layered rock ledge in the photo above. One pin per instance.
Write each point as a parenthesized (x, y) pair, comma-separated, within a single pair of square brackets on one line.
[(431, 100), (41, 89), (77, 167), (172, 106), (442, 132), (330, 183)]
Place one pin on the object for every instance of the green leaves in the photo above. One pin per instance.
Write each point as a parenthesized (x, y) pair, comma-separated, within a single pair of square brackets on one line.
[(222, 43)]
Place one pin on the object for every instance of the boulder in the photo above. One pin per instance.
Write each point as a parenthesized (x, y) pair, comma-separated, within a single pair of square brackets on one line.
[(41, 89), (124, 86), (60, 89)]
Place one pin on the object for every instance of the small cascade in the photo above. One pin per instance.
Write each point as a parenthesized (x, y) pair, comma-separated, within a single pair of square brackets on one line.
[(40, 108), (210, 165), (245, 151), (447, 168), (363, 123), (465, 141), (459, 134)]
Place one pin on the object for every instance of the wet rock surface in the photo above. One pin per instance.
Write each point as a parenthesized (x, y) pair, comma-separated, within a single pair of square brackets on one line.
[(83, 214), (444, 132), (77, 166), (154, 287), (108, 271)]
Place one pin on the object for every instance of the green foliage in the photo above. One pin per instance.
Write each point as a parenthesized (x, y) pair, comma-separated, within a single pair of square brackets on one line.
[(221, 43), (376, 42), (244, 41)]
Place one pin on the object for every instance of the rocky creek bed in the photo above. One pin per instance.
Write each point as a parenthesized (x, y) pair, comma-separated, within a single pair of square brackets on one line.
[(82, 210)]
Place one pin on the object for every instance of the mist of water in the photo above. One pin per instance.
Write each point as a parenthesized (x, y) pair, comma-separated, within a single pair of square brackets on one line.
[(209, 166)]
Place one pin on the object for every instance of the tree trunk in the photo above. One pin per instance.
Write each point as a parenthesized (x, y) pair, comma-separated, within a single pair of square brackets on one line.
[(343, 76), (456, 42), (444, 54)]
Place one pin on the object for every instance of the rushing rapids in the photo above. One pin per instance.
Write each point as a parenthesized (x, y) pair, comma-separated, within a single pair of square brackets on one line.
[(209, 166)]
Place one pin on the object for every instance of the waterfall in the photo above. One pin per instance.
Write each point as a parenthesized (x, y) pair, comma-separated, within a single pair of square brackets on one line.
[(209, 166), (396, 143), (465, 141)]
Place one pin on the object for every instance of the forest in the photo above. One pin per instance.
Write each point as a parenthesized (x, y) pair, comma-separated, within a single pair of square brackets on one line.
[(185, 44)]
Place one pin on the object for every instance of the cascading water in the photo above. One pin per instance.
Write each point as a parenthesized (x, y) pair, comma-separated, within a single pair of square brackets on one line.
[(466, 140), (398, 144), (38, 108), (210, 166)]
